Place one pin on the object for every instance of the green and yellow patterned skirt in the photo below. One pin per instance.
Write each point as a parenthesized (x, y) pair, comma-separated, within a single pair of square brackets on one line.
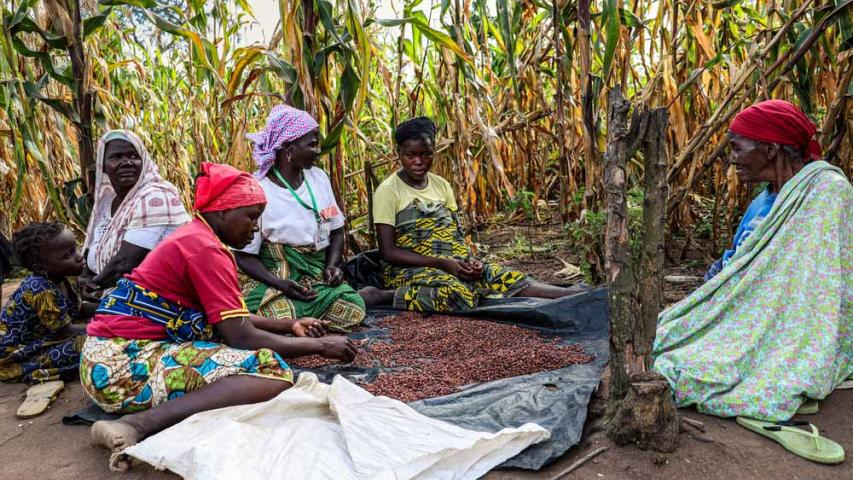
[(127, 376), (341, 305), (434, 231)]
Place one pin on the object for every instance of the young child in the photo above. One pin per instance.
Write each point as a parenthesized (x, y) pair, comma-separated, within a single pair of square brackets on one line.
[(38, 343)]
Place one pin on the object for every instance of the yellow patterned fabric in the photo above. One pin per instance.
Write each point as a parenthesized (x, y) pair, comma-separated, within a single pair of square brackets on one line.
[(431, 229)]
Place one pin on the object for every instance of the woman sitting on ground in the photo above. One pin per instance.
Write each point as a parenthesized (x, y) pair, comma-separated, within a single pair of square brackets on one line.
[(425, 258), (771, 327), (293, 262), (134, 210), (174, 338), (38, 342)]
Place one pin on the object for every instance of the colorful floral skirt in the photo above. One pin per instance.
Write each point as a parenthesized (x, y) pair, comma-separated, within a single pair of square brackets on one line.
[(127, 376), (775, 326)]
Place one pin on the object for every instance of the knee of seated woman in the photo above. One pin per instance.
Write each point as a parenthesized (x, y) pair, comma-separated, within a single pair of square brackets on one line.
[(262, 388), (458, 296)]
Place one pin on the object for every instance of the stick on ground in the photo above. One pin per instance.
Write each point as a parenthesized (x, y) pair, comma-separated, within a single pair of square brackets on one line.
[(589, 456), (694, 423)]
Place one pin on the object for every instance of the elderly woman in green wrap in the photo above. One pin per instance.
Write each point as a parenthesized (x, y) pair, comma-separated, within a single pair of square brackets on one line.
[(772, 328), (292, 266)]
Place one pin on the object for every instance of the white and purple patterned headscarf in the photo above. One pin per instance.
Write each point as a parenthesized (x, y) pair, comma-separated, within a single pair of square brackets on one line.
[(285, 124)]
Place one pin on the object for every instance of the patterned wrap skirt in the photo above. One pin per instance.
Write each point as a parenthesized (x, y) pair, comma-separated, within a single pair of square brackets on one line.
[(34, 344), (125, 376), (433, 230), (340, 304)]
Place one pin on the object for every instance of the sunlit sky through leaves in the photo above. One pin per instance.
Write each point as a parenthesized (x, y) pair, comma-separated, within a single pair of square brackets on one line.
[(267, 17)]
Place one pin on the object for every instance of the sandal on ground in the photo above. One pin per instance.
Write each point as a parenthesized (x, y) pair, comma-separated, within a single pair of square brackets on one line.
[(847, 384), (38, 398), (809, 407), (809, 445)]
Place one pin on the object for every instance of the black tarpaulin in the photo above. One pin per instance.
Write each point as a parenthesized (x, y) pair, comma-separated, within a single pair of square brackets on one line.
[(556, 399)]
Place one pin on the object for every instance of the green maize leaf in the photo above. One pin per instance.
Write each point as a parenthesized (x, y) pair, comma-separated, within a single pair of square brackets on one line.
[(330, 141), (719, 5), (327, 18), (21, 13), (350, 83), (53, 40), (21, 165), (440, 38), (93, 24), (610, 19), (284, 70), (509, 41), (845, 28), (80, 205), (45, 60), (63, 108), (698, 71), (132, 3), (203, 48), (245, 57), (630, 20), (244, 5)]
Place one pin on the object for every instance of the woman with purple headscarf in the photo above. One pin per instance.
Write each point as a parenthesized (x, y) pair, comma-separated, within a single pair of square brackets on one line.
[(292, 265)]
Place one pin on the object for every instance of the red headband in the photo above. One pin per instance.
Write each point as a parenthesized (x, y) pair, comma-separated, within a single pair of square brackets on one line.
[(777, 121), (222, 187)]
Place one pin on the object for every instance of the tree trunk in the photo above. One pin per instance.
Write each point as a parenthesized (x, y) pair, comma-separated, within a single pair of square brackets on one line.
[(370, 184), (617, 250), (647, 417), (82, 98), (640, 405), (650, 292)]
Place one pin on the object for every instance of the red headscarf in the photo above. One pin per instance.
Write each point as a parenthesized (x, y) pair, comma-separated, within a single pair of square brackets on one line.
[(777, 121), (222, 187)]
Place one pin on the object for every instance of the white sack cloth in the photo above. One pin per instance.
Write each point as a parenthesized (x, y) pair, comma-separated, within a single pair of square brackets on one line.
[(315, 431)]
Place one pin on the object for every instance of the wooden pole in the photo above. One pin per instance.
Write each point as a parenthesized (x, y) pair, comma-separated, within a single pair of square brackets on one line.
[(650, 292), (83, 99), (617, 249), (370, 186), (640, 407)]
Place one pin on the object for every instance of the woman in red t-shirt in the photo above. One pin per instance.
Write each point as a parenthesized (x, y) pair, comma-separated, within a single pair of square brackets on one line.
[(174, 338)]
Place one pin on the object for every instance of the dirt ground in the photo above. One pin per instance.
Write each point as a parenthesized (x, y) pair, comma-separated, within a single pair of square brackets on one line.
[(43, 448)]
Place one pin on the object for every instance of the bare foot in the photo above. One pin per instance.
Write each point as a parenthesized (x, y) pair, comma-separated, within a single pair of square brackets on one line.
[(376, 296), (116, 435)]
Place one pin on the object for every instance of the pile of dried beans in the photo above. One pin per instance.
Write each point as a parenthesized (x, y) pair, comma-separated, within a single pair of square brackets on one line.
[(436, 355)]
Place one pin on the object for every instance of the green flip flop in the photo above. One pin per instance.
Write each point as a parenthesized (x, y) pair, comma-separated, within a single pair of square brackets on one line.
[(809, 445), (809, 407)]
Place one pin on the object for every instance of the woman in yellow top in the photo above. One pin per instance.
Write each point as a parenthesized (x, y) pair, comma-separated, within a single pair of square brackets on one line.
[(425, 258)]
